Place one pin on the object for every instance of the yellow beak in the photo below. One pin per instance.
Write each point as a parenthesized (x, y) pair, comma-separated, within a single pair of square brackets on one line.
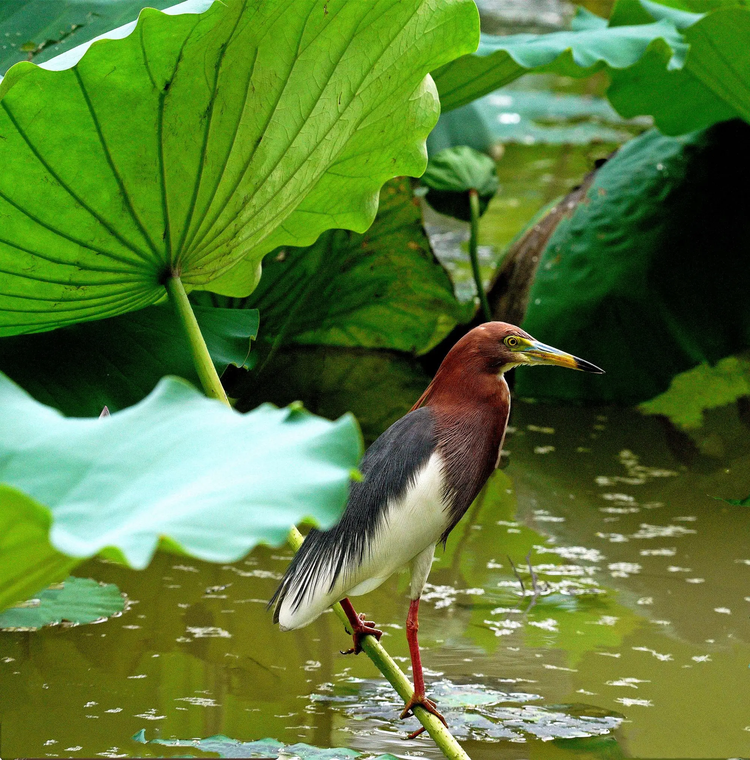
[(539, 353)]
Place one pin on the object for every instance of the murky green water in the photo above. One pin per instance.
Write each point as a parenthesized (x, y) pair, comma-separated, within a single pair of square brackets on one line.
[(644, 585)]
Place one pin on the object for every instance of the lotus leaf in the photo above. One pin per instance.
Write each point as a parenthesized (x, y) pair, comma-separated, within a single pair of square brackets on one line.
[(251, 125), (177, 467), (75, 600), (116, 362)]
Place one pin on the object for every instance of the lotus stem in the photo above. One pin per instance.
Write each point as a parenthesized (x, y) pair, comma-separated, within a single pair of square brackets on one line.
[(473, 254), (395, 676), (201, 358)]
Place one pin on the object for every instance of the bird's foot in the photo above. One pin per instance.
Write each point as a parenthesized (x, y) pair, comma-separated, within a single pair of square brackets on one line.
[(420, 700), (360, 630)]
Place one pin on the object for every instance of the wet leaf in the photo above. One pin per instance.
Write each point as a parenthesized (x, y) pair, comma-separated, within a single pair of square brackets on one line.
[(451, 173), (270, 749), (646, 278), (177, 468), (116, 362), (382, 289), (44, 29), (75, 600), (480, 713), (253, 125)]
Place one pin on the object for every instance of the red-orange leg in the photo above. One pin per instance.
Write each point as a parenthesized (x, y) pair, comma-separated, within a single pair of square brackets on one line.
[(418, 698), (360, 627)]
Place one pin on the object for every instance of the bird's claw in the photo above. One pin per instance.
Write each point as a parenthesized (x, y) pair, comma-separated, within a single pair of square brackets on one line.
[(420, 700), (359, 631)]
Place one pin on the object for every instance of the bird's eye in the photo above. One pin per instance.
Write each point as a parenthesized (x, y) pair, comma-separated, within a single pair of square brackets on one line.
[(511, 341)]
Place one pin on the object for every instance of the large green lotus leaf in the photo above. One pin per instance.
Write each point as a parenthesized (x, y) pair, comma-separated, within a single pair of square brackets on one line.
[(200, 141), (648, 277), (383, 289), (75, 600), (587, 49), (713, 85), (29, 561), (40, 29), (177, 466), (118, 361)]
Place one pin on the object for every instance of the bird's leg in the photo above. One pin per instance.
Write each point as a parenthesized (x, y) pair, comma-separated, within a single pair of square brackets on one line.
[(418, 698), (360, 627)]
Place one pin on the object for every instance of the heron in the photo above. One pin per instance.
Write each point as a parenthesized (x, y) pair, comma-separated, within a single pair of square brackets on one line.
[(418, 480)]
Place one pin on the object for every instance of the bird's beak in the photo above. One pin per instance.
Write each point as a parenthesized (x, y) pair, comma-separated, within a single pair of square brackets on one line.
[(539, 353)]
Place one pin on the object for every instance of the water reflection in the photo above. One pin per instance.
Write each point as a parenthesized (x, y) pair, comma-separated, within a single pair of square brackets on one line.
[(641, 603)]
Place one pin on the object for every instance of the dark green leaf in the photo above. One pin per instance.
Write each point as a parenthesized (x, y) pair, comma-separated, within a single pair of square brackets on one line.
[(531, 117), (253, 125), (648, 277), (39, 29), (383, 289), (75, 600), (177, 466), (378, 387), (116, 362)]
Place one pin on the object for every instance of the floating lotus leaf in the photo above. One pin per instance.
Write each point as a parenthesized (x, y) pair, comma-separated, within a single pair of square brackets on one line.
[(75, 600)]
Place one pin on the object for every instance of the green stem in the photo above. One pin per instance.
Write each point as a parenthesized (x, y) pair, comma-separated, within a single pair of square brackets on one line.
[(395, 676), (473, 245), (201, 358)]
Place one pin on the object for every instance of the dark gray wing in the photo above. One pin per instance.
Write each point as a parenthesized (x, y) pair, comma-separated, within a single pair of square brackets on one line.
[(388, 467)]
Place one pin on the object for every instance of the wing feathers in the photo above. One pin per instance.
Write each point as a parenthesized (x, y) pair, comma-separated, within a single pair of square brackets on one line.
[(361, 547)]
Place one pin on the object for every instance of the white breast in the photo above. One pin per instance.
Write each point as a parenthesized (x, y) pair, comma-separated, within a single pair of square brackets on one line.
[(410, 525)]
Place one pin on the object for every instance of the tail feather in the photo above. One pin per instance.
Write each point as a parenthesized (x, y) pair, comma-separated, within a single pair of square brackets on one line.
[(308, 587)]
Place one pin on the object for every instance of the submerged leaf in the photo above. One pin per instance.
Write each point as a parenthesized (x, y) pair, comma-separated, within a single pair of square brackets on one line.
[(263, 749), (479, 713), (116, 362), (75, 600), (252, 125), (736, 502), (176, 466)]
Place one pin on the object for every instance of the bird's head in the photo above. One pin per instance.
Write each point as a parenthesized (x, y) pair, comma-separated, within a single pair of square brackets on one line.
[(500, 346)]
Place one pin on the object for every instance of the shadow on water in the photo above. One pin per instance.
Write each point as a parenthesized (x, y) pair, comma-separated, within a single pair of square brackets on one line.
[(643, 585)]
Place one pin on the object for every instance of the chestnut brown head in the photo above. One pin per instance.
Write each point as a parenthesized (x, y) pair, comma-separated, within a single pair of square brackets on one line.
[(496, 347)]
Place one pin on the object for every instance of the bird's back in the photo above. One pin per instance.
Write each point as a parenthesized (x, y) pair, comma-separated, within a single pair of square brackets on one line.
[(419, 478)]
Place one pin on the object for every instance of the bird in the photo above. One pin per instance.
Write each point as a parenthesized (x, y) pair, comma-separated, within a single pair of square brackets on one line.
[(418, 480)]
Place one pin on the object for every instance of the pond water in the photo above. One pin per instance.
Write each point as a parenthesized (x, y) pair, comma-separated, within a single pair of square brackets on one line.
[(639, 636)]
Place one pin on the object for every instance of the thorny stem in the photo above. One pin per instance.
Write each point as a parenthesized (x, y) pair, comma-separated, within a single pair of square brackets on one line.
[(385, 664), (201, 358), (473, 254)]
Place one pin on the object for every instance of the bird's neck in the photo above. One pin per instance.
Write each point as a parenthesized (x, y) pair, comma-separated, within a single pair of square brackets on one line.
[(460, 386)]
